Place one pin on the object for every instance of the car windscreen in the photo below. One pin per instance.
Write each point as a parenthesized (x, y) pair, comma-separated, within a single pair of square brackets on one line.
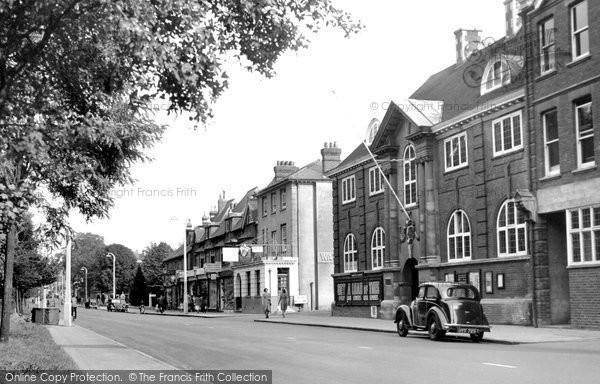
[(461, 293)]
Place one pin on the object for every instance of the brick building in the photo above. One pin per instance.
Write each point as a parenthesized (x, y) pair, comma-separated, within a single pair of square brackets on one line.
[(460, 142), (563, 89), (373, 272)]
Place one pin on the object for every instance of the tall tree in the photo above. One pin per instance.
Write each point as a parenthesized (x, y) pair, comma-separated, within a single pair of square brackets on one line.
[(32, 268), (153, 265), (77, 77), (125, 264), (87, 248), (137, 294)]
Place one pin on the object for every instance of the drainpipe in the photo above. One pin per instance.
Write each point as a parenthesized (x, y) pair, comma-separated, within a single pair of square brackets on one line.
[(316, 245), (531, 137), (311, 296)]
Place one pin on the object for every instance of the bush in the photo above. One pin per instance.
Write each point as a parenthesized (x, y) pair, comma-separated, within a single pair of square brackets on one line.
[(30, 347)]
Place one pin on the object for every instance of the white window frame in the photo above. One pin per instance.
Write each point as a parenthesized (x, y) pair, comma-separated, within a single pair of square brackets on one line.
[(375, 181), (350, 254), (575, 33), (460, 235), (550, 170), (501, 76), (282, 199), (409, 177), (377, 248), (458, 147), (593, 231), (547, 46), (514, 147), (264, 205), (273, 202), (519, 228), (580, 138), (348, 189)]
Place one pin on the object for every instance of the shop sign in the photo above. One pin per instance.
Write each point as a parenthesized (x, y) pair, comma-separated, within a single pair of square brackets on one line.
[(325, 257), (365, 290), (213, 267)]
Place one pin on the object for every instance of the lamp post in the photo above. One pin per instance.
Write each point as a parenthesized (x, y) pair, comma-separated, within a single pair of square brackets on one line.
[(67, 287), (86, 292), (114, 280), (188, 227)]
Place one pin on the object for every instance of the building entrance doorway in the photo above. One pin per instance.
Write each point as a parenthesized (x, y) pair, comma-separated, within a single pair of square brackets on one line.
[(410, 281), (558, 275), (238, 293), (283, 279)]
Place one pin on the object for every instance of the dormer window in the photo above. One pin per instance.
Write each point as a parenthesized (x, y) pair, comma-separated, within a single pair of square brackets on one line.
[(496, 75)]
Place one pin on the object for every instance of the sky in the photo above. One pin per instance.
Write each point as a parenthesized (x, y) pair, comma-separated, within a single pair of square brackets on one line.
[(326, 93)]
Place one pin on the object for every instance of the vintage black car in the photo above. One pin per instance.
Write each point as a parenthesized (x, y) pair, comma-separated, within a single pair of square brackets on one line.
[(442, 307)]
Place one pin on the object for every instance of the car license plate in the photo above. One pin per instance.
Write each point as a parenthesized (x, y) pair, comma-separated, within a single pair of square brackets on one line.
[(467, 330)]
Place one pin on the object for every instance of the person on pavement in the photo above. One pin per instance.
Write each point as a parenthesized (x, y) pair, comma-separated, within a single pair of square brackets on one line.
[(283, 301), (266, 302), (74, 307)]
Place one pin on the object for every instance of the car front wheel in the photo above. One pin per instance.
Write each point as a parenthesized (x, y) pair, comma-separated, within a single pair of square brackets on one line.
[(477, 337), (402, 326), (434, 329)]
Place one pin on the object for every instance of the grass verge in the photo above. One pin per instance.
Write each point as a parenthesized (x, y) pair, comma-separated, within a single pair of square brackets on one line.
[(30, 347)]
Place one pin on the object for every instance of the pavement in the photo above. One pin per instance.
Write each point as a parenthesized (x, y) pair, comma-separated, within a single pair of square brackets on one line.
[(505, 334), (91, 350)]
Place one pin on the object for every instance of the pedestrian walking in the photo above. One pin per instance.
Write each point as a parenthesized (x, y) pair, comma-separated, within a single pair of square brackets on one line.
[(161, 304), (74, 307), (203, 304), (283, 301), (197, 305), (103, 299), (266, 302)]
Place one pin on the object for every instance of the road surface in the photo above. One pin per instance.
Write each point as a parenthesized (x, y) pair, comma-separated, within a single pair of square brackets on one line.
[(300, 354)]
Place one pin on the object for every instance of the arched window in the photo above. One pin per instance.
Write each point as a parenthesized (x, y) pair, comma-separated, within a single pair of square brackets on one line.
[(410, 176), (499, 72), (350, 260), (372, 131), (377, 248), (459, 237), (512, 230)]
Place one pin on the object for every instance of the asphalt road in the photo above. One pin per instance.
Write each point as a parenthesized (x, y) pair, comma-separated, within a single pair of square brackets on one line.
[(300, 354)]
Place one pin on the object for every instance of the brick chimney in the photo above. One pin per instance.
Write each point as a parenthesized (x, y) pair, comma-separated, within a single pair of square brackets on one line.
[(512, 10), (331, 155), (467, 40), (283, 169)]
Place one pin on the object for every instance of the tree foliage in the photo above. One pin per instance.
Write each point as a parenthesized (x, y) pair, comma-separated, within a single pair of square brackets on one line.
[(125, 266), (153, 265), (138, 291), (77, 77)]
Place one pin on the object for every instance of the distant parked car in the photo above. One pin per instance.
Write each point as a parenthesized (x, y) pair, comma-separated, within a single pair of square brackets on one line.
[(444, 307), (119, 305)]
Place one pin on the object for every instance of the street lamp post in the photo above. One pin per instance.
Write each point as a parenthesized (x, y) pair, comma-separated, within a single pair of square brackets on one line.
[(67, 286), (86, 292), (188, 227), (114, 279)]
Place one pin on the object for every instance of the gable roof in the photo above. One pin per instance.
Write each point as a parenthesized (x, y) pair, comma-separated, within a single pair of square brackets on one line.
[(177, 253), (358, 156)]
